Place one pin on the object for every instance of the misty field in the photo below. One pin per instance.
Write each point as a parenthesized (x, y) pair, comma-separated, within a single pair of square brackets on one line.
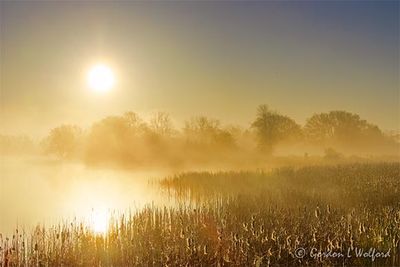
[(318, 215)]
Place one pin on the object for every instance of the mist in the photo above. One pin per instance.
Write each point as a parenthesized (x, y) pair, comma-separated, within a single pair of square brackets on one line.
[(128, 141), (199, 133)]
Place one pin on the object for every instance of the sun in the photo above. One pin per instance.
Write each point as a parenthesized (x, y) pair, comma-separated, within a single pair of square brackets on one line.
[(100, 78)]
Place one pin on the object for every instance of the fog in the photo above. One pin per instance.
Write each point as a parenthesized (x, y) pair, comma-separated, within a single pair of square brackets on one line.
[(113, 164), (38, 190)]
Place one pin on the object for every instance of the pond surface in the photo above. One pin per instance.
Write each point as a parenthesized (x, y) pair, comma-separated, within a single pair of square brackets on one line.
[(36, 191)]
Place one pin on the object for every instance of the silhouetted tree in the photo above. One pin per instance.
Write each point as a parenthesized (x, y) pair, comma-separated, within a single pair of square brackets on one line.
[(272, 128), (342, 127), (133, 121), (63, 141), (161, 124), (115, 137), (205, 131)]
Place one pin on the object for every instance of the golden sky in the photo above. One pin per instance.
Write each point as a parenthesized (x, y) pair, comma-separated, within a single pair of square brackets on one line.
[(200, 58)]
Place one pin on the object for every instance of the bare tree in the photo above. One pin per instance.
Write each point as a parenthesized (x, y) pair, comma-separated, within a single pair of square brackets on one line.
[(161, 124), (203, 130)]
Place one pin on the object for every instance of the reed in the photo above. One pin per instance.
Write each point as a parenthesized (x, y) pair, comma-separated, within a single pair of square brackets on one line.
[(237, 219)]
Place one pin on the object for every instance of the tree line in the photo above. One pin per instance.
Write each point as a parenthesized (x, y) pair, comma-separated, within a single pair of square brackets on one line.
[(128, 138)]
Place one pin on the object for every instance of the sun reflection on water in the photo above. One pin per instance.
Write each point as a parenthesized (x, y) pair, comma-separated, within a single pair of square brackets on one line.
[(99, 221)]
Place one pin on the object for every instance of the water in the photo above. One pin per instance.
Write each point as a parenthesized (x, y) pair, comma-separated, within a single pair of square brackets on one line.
[(36, 191)]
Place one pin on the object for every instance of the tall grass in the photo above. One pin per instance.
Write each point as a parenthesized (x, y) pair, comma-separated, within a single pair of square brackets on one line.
[(237, 219)]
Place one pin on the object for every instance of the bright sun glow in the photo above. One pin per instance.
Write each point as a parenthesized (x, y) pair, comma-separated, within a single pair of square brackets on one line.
[(100, 78), (99, 221)]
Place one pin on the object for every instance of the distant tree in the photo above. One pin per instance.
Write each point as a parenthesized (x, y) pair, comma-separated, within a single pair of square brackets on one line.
[(111, 130), (62, 141), (319, 128), (115, 136), (203, 130), (127, 139), (161, 124), (119, 127), (202, 124), (341, 127), (133, 121), (272, 128)]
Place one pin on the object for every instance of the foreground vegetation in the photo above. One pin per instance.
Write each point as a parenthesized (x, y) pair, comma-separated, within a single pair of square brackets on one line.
[(239, 219)]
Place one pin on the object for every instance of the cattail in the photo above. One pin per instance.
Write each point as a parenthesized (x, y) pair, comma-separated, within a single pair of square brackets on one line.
[(314, 238), (273, 236), (269, 253), (317, 213), (205, 250)]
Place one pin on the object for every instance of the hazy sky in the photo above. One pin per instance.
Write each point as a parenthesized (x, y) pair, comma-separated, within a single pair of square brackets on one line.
[(217, 59)]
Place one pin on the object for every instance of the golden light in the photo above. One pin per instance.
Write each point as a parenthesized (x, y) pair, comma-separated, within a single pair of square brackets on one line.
[(100, 78), (99, 221)]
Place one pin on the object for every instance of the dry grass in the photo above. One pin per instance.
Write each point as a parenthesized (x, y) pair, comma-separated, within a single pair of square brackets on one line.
[(237, 219)]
